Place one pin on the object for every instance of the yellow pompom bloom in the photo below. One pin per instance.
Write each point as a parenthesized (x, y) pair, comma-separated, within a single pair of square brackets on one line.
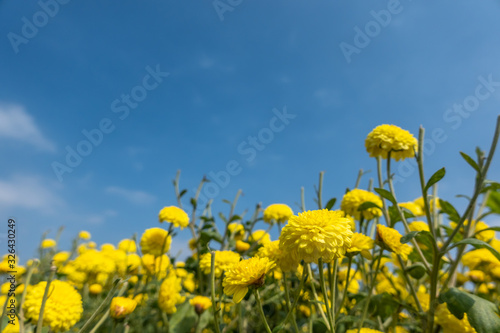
[(200, 303), (170, 295), (354, 198), (476, 276), (363, 330), (390, 239), (91, 245), (450, 323), (127, 246), (4, 289), (273, 252), (237, 230), (95, 289), (415, 209), (391, 138), (316, 234), (485, 236), (260, 236), (60, 258), (242, 246), (418, 226), (121, 307), (479, 257), (433, 203), (63, 309), (85, 235), (107, 247), (156, 265), (245, 274), (48, 243), (155, 241), (277, 212), (361, 244), (223, 260), (174, 215)]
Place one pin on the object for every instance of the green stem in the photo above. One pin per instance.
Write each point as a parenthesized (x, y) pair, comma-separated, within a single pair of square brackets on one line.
[(360, 174), (344, 297), (296, 298), (100, 322), (370, 290), (39, 324), (318, 306), (325, 295), (320, 190), (302, 200), (288, 304), (212, 292), (25, 291), (261, 311)]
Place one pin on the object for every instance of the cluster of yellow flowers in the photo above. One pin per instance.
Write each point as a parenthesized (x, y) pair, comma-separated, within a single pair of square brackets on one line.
[(325, 268)]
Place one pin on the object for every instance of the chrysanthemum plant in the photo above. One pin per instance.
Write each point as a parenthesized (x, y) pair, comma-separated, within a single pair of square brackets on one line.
[(374, 265)]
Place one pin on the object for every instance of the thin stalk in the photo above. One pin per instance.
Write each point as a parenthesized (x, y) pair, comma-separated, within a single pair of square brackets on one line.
[(176, 186), (100, 322), (320, 190), (212, 292), (360, 174), (44, 299), (302, 200), (318, 306), (370, 290), (261, 311), (344, 297), (325, 295), (296, 298), (408, 282), (288, 304), (25, 291)]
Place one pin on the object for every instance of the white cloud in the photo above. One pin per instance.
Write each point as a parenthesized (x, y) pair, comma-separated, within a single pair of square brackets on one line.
[(136, 197), (17, 124), (100, 218), (29, 193)]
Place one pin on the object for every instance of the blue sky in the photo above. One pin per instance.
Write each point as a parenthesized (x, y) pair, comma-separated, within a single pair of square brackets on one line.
[(178, 85)]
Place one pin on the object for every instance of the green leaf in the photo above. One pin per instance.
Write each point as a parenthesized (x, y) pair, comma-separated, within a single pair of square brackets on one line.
[(471, 162), (184, 319), (386, 194), (330, 203), (193, 203), (208, 235), (437, 176), (383, 305), (493, 202), (182, 193), (235, 218), (417, 270), (492, 228), (448, 208), (367, 204), (482, 314), (478, 244), (412, 234)]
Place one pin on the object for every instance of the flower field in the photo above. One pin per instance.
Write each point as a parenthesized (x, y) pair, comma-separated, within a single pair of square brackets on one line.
[(363, 263)]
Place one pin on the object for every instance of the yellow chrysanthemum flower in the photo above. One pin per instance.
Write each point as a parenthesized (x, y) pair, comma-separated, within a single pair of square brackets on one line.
[(95, 289), (155, 241), (450, 323), (316, 234), (93, 262), (415, 209), (418, 226), (156, 265), (273, 252), (60, 258), (277, 212), (476, 276), (174, 215), (48, 243), (170, 295), (223, 260), (433, 203), (92, 245), (121, 307), (63, 309), (242, 246), (85, 235), (245, 274), (127, 246), (237, 230), (486, 236), (391, 239), (200, 303), (354, 198), (479, 257), (391, 138), (260, 236), (363, 330), (107, 247), (361, 244)]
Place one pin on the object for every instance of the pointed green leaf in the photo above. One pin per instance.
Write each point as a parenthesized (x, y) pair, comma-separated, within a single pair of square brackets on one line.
[(478, 244), (330, 203), (417, 270), (386, 194), (471, 162), (448, 208), (493, 202), (437, 176), (368, 204)]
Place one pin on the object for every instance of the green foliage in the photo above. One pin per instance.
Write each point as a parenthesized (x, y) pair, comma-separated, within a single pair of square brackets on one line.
[(437, 176)]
